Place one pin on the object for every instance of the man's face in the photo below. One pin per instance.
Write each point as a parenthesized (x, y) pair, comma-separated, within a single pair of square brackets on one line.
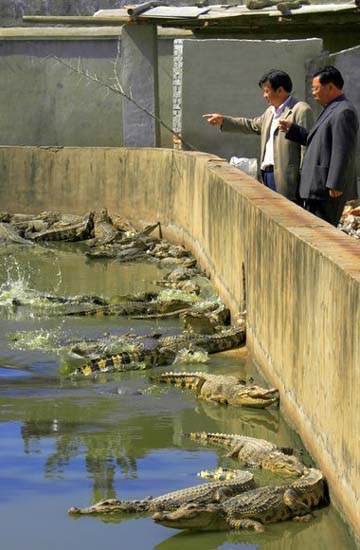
[(273, 97), (321, 92)]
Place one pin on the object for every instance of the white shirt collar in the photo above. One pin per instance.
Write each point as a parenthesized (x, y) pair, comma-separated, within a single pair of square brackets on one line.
[(277, 111)]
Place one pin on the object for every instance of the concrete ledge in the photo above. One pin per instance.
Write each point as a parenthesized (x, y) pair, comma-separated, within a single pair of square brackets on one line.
[(299, 277), (79, 33)]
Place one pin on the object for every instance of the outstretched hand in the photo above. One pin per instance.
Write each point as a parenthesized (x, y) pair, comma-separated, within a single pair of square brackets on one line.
[(215, 119)]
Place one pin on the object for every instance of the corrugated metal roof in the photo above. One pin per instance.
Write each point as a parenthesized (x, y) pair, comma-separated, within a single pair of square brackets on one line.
[(172, 12), (224, 18), (219, 11)]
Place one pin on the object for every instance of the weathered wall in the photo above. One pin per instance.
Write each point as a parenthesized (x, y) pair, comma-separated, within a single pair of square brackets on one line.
[(302, 275), (43, 102), (221, 76)]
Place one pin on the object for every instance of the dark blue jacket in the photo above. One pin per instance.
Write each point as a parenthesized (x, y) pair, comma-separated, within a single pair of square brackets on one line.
[(329, 161)]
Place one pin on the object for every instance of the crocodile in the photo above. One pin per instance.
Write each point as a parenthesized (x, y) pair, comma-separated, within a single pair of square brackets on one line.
[(144, 233), (211, 492), (222, 389), (187, 285), (122, 255), (230, 338), (165, 249), (181, 341), (205, 322), (196, 308), (254, 508), (42, 222), (135, 308), (9, 235), (79, 299), (177, 275), (104, 230), (163, 353), (255, 452), (70, 232), (128, 360)]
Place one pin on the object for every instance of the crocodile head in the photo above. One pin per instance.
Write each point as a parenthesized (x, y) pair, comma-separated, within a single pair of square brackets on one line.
[(255, 396), (282, 463), (194, 516), (101, 507)]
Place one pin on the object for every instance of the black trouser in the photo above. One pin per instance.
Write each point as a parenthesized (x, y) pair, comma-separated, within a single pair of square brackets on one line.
[(329, 209)]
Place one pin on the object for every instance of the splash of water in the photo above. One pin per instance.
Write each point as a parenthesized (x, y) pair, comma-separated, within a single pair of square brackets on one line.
[(16, 287), (40, 339), (189, 356), (47, 340)]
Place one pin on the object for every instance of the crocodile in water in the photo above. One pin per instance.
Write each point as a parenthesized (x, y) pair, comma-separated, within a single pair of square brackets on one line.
[(128, 360), (253, 509), (135, 308), (215, 491), (222, 389), (164, 353), (251, 451), (230, 338), (9, 235)]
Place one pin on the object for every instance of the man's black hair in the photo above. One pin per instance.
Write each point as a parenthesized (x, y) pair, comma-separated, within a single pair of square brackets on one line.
[(330, 74), (276, 78)]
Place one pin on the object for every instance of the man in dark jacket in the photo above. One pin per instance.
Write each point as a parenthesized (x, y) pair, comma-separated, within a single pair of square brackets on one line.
[(328, 175)]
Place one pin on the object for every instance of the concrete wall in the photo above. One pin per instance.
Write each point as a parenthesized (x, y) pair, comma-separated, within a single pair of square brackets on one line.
[(221, 76), (43, 102), (302, 276)]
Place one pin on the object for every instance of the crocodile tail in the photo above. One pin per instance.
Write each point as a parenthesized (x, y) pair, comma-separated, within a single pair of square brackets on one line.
[(226, 440), (190, 380), (111, 362), (104, 310)]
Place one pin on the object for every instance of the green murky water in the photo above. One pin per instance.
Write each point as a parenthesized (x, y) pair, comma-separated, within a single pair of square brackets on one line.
[(66, 443)]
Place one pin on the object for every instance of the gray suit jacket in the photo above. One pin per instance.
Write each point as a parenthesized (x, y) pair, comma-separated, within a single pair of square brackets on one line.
[(329, 161), (287, 155)]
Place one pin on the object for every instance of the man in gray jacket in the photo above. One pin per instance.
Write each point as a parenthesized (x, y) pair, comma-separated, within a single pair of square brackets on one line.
[(280, 159), (328, 176)]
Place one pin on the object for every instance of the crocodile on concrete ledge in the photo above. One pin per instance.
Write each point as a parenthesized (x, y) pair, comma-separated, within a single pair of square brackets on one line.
[(215, 491), (222, 389), (71, 232), (251, 451), (254, 508)]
